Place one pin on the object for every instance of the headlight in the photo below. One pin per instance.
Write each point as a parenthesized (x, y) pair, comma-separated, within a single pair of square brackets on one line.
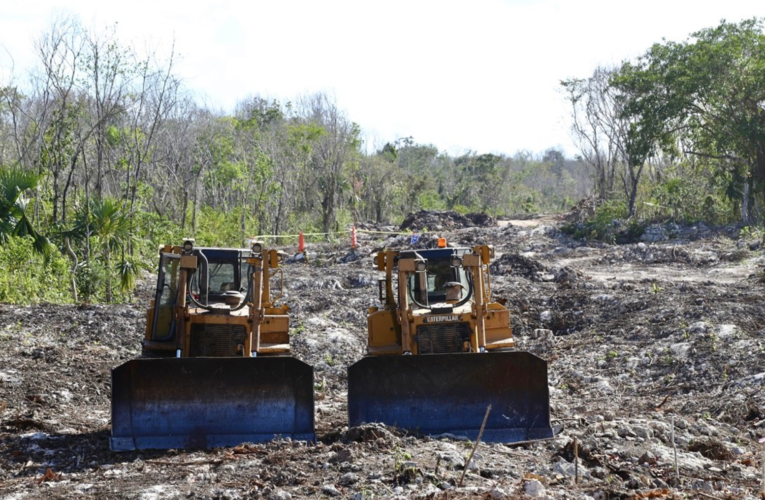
[(420, 266), (188, 245), (257, 248), (455, 261)]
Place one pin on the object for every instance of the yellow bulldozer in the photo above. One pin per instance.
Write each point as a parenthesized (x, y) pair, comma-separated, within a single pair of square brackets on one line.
[(440, 351), (215, 368)]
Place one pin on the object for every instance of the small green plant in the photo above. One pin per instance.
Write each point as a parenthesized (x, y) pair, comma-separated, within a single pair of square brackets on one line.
[(666, 357), (321, 385), (655, 289), (712, 337), (748, 232), (297, 330), (328, 359), (366, 493), (634, 231), (611, 355), (601, 226), (405, 472)]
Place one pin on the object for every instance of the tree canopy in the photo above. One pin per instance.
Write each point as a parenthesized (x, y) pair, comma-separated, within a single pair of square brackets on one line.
[(106, 151), (704, 97)]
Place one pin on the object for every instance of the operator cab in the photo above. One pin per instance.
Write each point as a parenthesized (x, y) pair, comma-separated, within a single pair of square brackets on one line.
[(221, 275), (219, 283), (441, 282)]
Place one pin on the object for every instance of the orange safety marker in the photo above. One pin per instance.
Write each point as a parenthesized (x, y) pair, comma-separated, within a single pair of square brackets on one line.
[(301, 243), (353, 236)]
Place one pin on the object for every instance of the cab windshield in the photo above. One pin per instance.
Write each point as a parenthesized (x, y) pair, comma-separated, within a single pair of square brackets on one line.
[(439, 273), (219, 271)]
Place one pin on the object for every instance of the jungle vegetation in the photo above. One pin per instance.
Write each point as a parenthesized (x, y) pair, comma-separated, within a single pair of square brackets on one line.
[(105, 153)]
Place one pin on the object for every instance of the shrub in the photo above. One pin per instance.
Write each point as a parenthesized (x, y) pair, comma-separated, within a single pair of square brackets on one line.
[(30, 277), (607, 224)]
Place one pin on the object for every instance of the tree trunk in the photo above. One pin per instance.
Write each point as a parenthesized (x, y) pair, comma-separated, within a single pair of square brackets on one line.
[(327, 212), (243, 220), (602, 180), (107, 259), (73, 271), (194, 216), (66, 187), (278, 216), (55, 196), (99, 170), (87, 207), (185, 209)]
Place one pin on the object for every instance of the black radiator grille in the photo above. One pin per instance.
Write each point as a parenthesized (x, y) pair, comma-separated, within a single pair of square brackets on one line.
[(442, 338), (216, 340)]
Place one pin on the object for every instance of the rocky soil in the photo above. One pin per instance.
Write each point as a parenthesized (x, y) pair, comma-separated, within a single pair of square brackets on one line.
[(656, 371)]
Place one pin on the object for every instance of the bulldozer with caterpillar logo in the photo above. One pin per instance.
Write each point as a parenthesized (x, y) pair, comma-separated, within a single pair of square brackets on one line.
[(215, 368), (440, 352)]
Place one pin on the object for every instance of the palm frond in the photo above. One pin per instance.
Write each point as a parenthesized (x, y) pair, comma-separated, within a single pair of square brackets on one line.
[(13, 182), (129, 271), (24, 228)]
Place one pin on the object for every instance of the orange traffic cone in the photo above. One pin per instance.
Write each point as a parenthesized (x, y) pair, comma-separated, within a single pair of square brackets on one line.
[(301, 243)]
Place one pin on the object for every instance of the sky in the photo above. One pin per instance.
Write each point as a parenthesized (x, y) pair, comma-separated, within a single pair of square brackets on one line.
[(478, 75)]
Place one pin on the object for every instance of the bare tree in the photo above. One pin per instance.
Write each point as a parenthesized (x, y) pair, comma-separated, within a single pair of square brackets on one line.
[(56, 112), (596, 126), (334, 153), (108, 69), (153, 96)]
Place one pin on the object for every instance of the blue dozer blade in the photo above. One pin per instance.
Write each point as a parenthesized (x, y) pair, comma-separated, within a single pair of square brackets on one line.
[(448, 394), (210, 402)]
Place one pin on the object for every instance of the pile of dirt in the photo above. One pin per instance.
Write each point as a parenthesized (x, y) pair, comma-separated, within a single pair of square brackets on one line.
[(445, 220), (582, 211), (519, 265)]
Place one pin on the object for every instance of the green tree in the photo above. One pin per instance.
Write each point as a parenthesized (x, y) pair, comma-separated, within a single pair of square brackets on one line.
[(334, 155), (14, 182), (703, 97), (422, 171), (110, 228)]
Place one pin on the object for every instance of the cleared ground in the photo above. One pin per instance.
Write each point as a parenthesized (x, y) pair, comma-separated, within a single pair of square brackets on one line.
[(644, 341)]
